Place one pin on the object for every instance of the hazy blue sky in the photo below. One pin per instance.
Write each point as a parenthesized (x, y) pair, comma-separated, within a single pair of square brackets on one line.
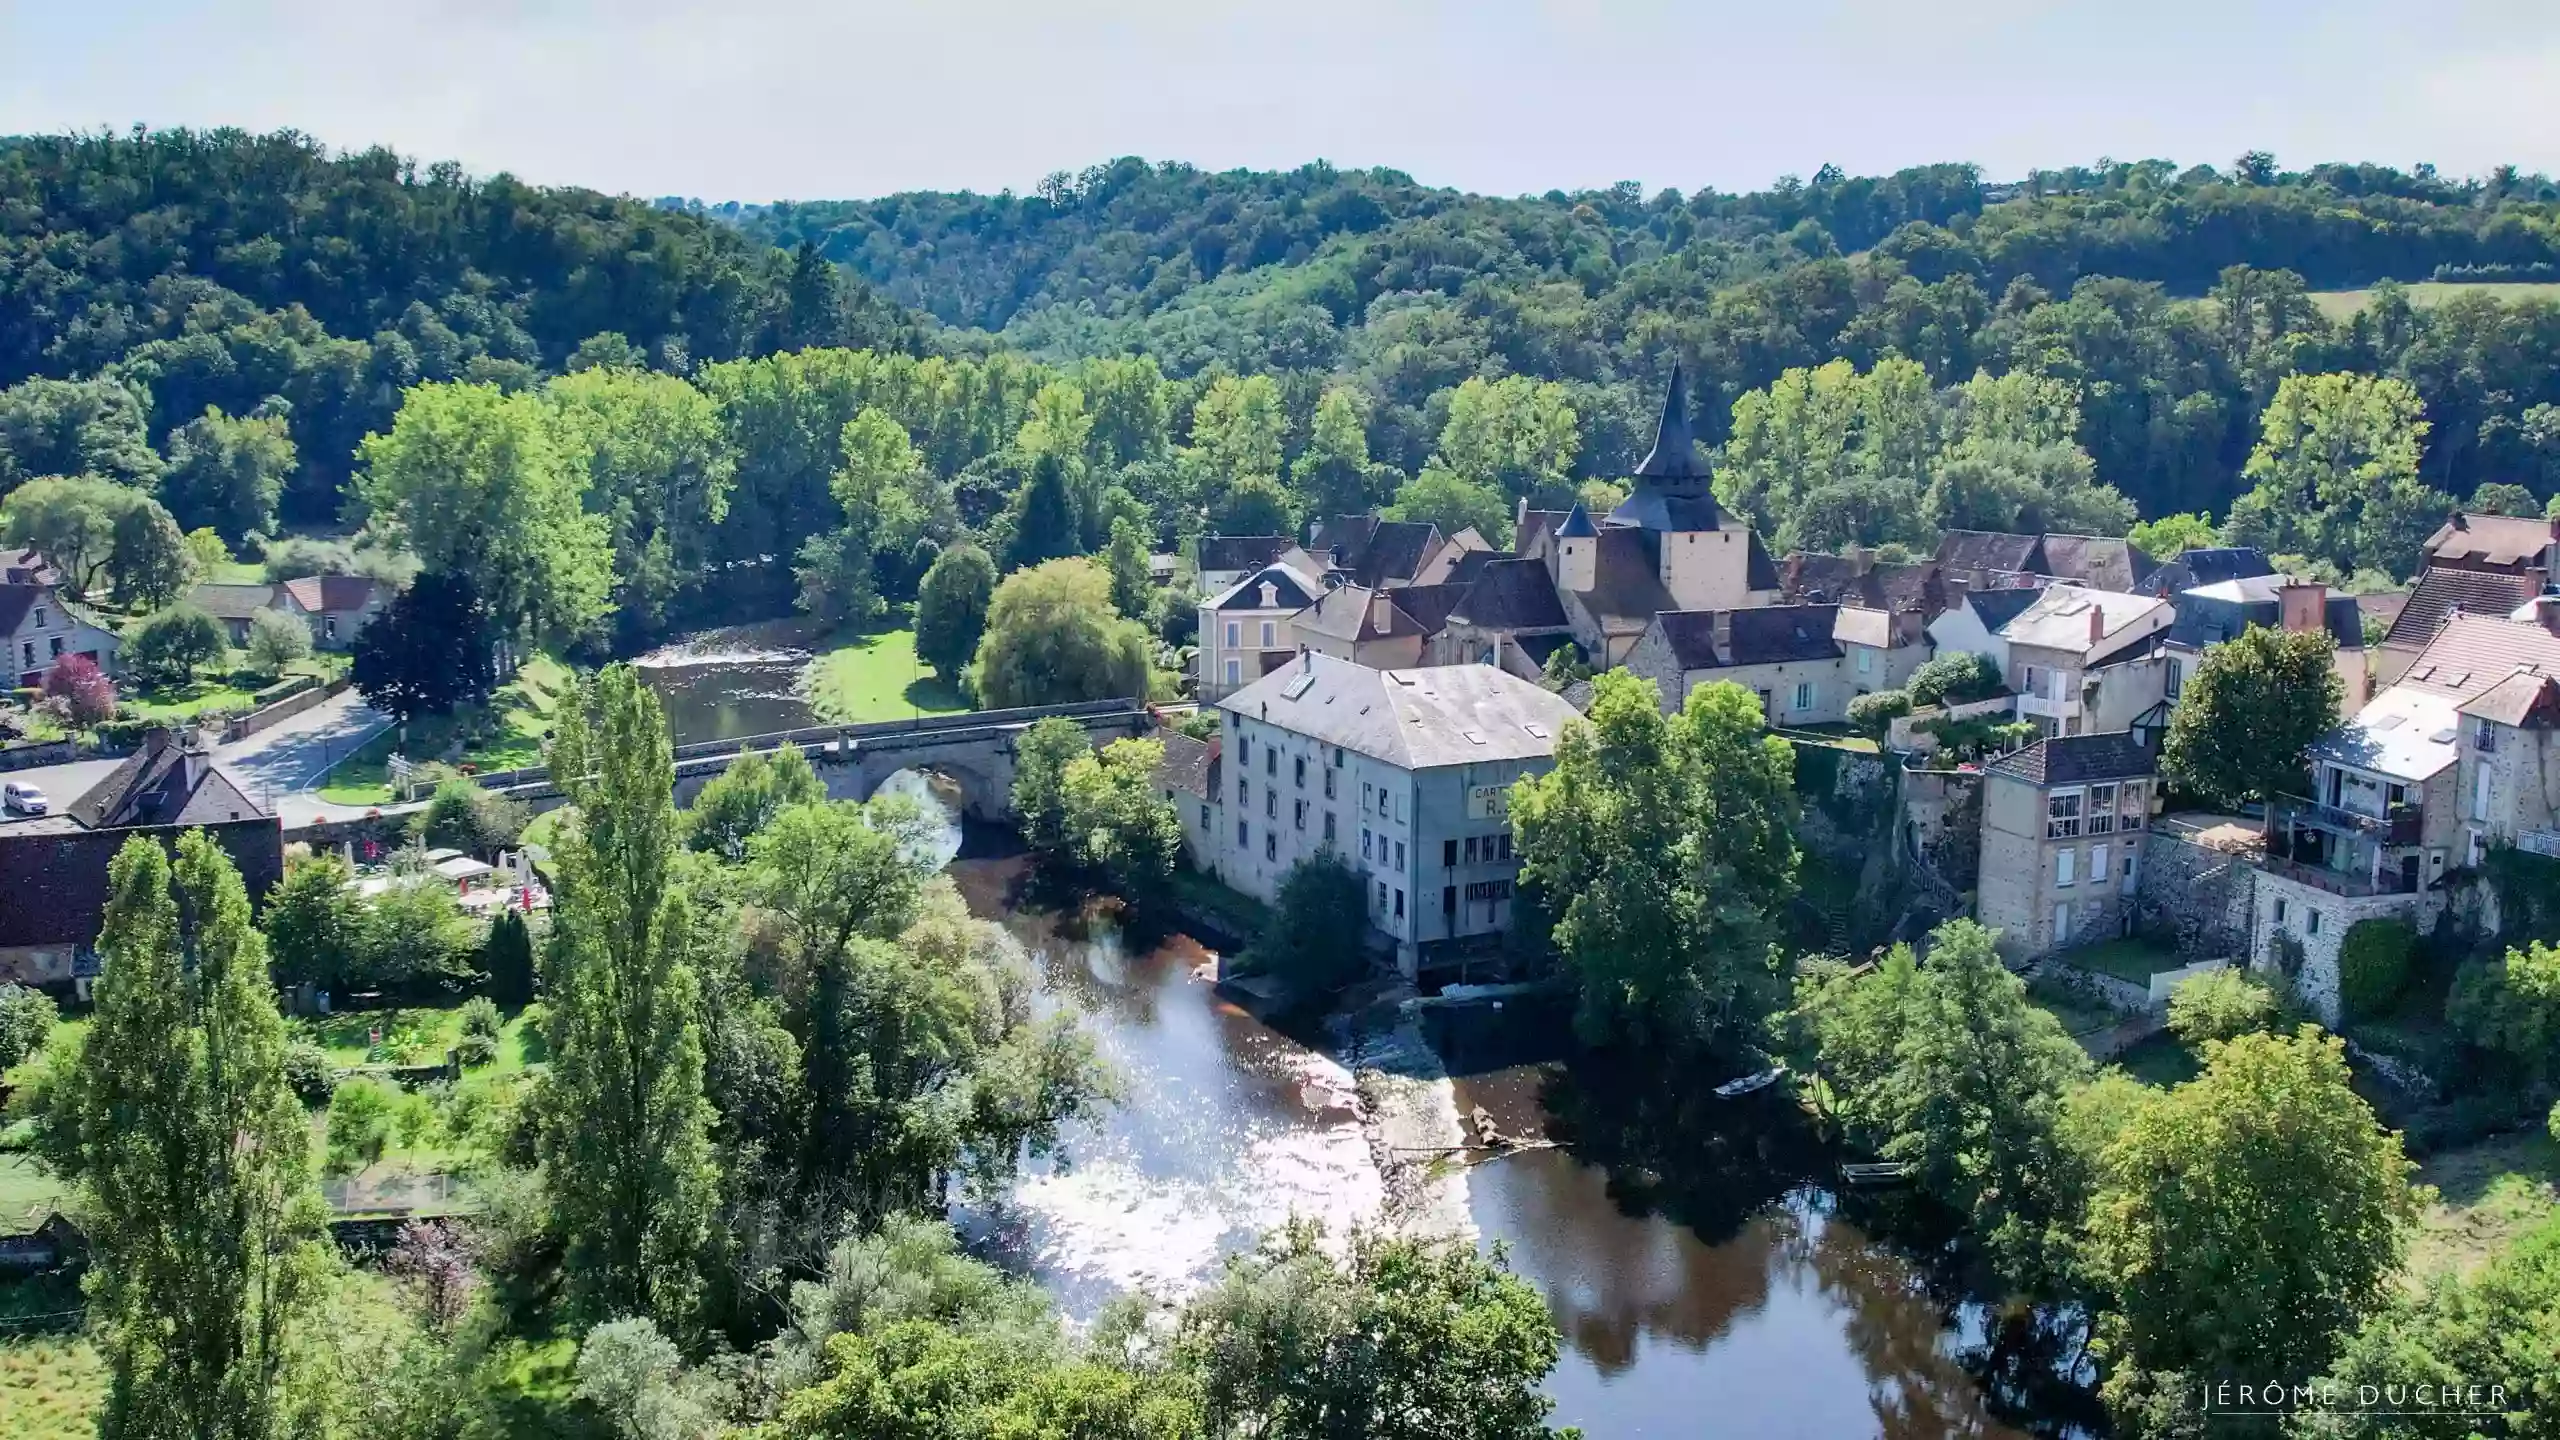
[(765, 99)]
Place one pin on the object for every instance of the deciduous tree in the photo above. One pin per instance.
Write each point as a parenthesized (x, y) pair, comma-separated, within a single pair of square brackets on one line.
[(1658, 848), (276, 640), (2247, 1220), (73, 521), (743, 799), (192, 1162), (226, 475), (951, 609), (626, 1130), (171, 646), (1052, 637), (428, 652), (2247, 716), (1118, 826)]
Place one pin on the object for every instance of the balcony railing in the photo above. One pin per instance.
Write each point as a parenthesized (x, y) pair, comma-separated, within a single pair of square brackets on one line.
[(2336, 882), (2399, 827)]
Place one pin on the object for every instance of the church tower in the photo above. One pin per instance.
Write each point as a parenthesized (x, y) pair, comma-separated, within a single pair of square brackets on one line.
[(1701, 555), (1577, 550)]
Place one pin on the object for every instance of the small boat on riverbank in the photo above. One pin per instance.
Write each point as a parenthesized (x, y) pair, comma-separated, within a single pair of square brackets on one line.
[(1751, 1084), (1880, 1173)]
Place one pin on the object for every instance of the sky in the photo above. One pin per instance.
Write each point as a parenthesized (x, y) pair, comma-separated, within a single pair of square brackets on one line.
[(796, 99)]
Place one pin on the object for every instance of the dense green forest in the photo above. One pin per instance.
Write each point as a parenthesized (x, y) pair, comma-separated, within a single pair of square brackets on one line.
[(222, 320), (2081, 274), (238, 271)]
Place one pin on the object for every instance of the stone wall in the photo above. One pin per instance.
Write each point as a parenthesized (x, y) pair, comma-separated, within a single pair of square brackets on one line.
[(1942, 823), (2316, 922), (35, 753), (2194, 897)]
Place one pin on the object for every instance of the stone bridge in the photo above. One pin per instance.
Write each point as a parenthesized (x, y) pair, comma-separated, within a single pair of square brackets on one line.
[(974, 751)]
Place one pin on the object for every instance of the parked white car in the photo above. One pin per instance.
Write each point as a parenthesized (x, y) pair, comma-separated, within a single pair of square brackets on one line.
[(22, 798)]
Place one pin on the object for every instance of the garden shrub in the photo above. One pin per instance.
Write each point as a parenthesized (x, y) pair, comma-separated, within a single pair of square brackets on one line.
[(480, 1017), (2373, 967)]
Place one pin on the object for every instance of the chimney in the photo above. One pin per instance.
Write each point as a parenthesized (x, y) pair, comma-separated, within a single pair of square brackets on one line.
[(2546, 612), (2097, 623), (156, 739), (1724, 635), (2302, 606), (1381, 612)]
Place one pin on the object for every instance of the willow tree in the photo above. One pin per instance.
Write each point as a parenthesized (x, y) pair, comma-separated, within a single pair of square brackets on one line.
[(191, 1162), (626, 1131)]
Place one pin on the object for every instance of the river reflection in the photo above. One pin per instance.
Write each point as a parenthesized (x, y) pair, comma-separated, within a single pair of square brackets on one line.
[(1704, 1280)]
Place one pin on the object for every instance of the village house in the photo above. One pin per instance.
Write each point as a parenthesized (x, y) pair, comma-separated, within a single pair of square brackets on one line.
[(1973, 622), (1784, 654), (1879, 648), (2415, 788), (2208, 615), (337, 607), (1377, 554), (28, 567), (234, 606), (38, 628), (1508, 618), (2082, 661), (1987, 559), (1405, 775), (1248, 628), (53, 868), (2475, 565), (2062, 827), (1187, 778), (1382, 629), (1221, 560)]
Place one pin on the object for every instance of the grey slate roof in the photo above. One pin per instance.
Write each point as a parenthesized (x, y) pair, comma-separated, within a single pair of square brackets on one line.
[(1625, 585), (2443, 592), (1512, 595), (2078, 759), (1986, 550), (1761, 635), (1996, 608), (2231, 562), (1240, 552), (1675, 450), (2101, 562), (1185, 767), (1293, 591), (1413, 719), (233, 602), (154, 787)]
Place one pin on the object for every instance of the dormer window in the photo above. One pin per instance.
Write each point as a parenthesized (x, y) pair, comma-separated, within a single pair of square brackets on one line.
[(1270, 596)]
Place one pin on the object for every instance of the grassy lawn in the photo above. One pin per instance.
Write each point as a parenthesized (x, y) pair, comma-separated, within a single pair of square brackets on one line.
[(50, 1386), (2487, 1195), (206, 692), (25, 1188), (2126, 959), (2078, 1014), (2163, 1060), (544, 828), (410, 1036), (877, 677), (2346, 304), (506, 734)]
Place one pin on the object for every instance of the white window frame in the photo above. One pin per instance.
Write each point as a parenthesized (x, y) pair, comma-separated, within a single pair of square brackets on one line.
[(2061, 821), (1803, 696)]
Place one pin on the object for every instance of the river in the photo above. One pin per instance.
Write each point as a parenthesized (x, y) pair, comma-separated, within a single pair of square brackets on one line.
[(1705, 1283)]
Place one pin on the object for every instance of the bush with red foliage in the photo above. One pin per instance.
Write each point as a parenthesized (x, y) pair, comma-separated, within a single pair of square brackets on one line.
[(77, 681)]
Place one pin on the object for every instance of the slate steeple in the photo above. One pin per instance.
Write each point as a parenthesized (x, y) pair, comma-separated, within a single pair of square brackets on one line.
[(1675, 450), (1671, 491)]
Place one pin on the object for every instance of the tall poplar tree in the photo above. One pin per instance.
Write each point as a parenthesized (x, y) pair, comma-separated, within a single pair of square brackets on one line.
[(192, 1162), (626, 1131)]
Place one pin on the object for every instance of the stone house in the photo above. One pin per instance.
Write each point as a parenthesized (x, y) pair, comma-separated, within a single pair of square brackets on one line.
[(1509, 618), (2414, 791), (1246, 629), (1187, 778), (1785, 654), (2060, 645), (2441, 593), (1380, 554), (38, 627), (337, 607), (2062, 830), (1382, 629), (1219, 561), (1986, 559), (2208, 615), (1879, 648), (53, 868), (1404, 775)]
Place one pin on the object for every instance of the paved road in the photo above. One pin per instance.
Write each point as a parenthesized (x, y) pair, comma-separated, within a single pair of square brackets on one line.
[(273, 766)]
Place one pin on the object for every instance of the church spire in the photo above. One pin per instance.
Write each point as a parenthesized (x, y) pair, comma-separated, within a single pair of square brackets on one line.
[(1675, 450)]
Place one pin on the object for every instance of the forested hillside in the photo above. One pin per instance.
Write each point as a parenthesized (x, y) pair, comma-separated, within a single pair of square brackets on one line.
[(656, 417), (2084, 275), (235, 271)]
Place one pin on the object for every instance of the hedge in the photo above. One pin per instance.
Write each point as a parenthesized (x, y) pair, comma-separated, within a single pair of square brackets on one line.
[(2373, 967)]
